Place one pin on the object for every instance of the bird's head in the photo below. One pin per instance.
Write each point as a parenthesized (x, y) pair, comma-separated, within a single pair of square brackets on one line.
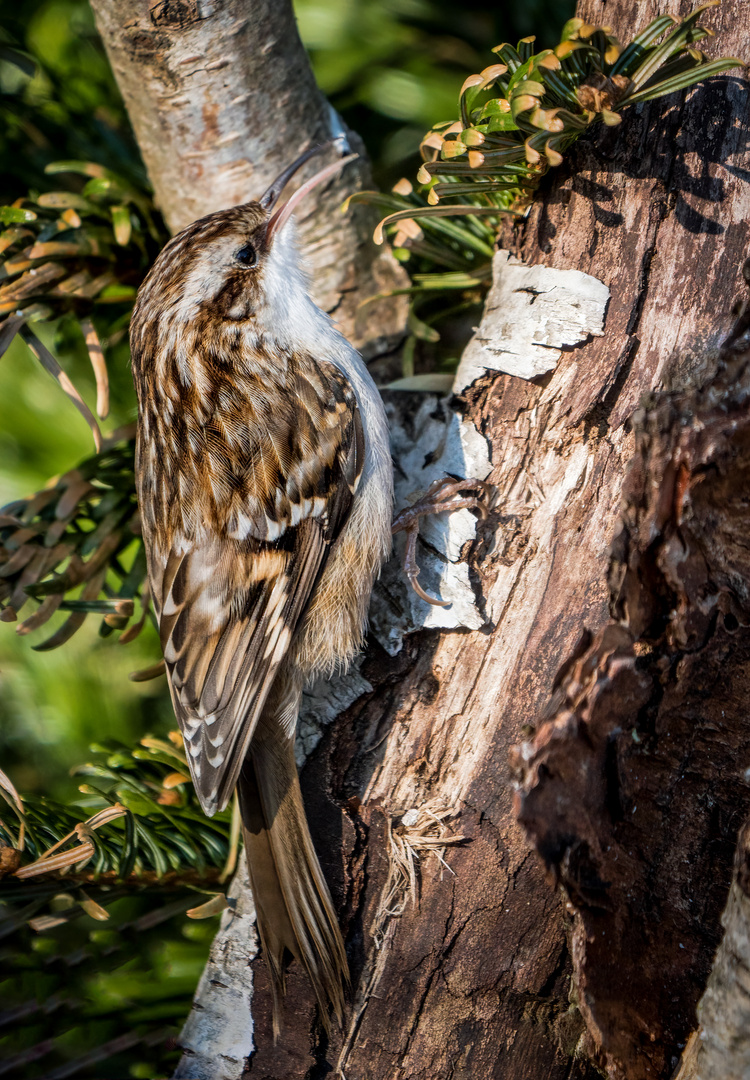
[(236, 265)]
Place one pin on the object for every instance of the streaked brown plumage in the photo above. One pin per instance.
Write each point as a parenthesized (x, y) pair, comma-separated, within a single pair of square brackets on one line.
[(265, 489)]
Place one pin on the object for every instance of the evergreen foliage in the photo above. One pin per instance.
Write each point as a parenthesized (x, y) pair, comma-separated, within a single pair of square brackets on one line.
[(516, 120)]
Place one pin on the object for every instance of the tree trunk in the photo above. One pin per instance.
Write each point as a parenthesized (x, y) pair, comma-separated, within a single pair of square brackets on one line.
[(633, 789), (720, 1048), (477, 980), (492, 974), (222, 98)]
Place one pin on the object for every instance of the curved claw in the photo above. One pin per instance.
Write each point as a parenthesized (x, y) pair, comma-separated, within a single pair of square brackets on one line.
[(412, 570), (425, 596), (443, 496)]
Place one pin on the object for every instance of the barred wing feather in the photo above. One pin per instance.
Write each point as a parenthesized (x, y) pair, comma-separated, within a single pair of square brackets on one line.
[(230, 596)]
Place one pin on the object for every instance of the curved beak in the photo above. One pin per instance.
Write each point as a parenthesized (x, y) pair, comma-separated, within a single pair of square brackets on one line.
[(271, 196)]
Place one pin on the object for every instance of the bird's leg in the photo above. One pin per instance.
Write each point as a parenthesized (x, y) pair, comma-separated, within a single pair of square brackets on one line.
[(443, 496)]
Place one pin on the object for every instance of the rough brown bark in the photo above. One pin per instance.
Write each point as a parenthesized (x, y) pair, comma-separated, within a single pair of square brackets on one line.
[(222, 98), (477, 982), (633, 790)]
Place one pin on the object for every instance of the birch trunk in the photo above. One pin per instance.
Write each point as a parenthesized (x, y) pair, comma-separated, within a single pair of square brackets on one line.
[(222, 97), (720, 1048), (494, 972)]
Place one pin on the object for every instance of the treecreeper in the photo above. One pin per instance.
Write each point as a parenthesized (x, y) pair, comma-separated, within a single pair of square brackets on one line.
[(265, 488)]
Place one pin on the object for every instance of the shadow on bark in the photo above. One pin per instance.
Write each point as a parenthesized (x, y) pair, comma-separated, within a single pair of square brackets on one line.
[(633, 788), (663, 144)]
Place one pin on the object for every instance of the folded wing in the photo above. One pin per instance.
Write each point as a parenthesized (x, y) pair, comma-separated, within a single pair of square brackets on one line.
[(231, 588)]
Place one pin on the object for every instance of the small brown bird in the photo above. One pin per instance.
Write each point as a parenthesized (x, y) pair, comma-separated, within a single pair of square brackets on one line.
[(265, 487)]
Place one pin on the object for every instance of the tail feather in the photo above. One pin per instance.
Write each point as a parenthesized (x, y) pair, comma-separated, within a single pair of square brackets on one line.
[(294, 908)]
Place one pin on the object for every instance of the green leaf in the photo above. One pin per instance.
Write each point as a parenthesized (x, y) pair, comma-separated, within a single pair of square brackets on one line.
[(430, 213), (172, 760), (421, 329), (472, 187), (632, 55), (65, 200), (139, 805), (144, 834), (570, 29), (83, 168), (11, 215), (380, 198), (502, 122), (102, 186), (525, 50), (529, 86), (509, 56), (455, 279), (556, 82), (493, 107), (122, 225), (24, 63), (680, 82), (440, 169), (673, 43), (117, 292), (518, 76)]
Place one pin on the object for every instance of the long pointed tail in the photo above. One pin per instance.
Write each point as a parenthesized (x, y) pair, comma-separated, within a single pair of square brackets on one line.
[(294, 907)]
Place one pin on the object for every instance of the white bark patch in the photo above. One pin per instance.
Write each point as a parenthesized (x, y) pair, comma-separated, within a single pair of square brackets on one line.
[(427, 444), (531, 314), (218, 1035)]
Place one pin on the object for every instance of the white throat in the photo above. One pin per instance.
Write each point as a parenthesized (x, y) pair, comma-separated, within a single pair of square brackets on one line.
[(289, 315)]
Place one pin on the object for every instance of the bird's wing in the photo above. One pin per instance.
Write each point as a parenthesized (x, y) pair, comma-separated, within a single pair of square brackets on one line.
[(229, 599)]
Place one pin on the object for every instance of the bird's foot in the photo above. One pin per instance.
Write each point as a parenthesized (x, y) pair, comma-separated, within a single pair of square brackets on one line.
[(443, 496)]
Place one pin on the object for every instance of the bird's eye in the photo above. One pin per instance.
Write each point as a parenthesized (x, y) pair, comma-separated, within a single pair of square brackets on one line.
[(247, 255)]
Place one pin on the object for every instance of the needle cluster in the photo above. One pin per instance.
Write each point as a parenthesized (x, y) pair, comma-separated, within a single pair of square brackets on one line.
[(518, 117)]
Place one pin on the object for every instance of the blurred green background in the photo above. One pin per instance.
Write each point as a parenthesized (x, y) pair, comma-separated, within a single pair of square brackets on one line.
[(392, 68)]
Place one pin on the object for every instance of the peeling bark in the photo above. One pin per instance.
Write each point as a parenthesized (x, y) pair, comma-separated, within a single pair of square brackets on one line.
[(222, 97), (217, 1034)]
